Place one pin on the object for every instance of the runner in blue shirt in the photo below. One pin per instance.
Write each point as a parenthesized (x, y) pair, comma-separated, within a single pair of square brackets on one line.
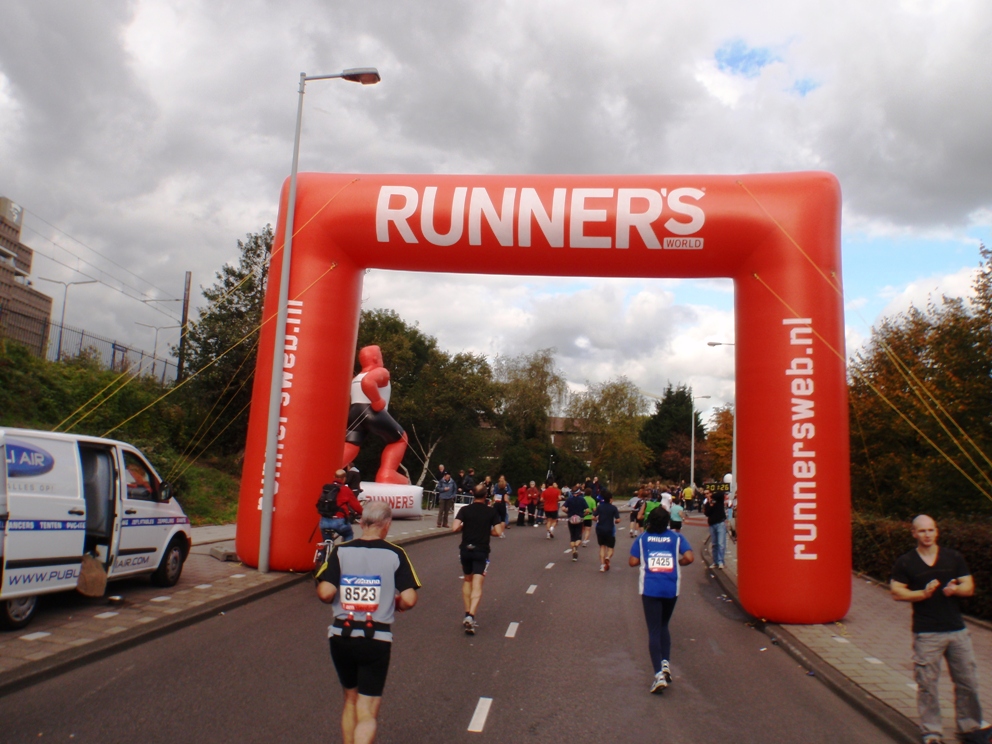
[(660, 553)]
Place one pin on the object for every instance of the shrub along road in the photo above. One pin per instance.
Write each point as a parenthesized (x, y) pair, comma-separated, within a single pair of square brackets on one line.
[(576, 669)]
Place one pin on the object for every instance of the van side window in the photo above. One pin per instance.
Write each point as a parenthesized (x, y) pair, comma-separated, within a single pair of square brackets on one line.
[(141, 484)]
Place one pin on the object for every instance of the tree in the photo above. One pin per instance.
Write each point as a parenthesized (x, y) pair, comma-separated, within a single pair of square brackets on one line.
[(673, 415), (921, 409), (719, 443), (531, 387), (226, 335), (611, 416)]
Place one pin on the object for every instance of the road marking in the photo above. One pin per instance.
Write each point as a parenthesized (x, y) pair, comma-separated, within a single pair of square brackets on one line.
[(42, 634), (237, 576), (160, 599), (105, 615), (873, 660), (532, 588), (568, 550), (511, 632), (478, 721), (550, 565), (840, 640), (203, 586)]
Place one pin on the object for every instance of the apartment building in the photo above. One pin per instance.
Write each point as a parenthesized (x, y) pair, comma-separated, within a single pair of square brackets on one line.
[(24, 311)]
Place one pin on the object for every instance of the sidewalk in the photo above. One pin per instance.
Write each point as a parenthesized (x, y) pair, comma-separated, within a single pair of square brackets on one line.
[(869, 652), (70, 630)]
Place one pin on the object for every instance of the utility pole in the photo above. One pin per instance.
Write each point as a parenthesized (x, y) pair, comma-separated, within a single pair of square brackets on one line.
[(182, 333)]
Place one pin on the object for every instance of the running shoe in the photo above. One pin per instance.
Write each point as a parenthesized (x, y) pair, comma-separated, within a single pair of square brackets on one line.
[(575, 556), (666, 671), (607, 564), (660, 683), (585, 543), (602, 567), (470, 625), (548, 535)]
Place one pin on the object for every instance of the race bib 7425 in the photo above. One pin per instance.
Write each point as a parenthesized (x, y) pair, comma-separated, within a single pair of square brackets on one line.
[(361, 593), (661, 562)]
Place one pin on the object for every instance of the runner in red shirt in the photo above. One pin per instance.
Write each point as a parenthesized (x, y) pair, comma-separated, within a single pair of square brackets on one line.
[(551, 496)]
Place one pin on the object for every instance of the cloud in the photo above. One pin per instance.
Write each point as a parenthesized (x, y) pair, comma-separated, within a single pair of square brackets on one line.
[(160, 131)]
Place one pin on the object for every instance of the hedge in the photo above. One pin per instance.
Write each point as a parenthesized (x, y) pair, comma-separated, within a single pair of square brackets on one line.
[(877, 542)]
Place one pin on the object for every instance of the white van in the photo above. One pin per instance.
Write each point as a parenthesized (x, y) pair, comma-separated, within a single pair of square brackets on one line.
[(63, 495)]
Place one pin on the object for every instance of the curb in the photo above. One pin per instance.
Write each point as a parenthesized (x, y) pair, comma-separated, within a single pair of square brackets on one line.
[(39, 671), (889, 720)]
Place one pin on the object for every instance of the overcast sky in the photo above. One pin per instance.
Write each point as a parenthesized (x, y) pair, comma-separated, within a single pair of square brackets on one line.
[(158, 133)]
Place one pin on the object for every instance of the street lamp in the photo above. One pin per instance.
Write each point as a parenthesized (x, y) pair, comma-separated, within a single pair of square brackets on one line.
[(65, 297), (155, 352), (692, 447), (365, 76), (733, 446)]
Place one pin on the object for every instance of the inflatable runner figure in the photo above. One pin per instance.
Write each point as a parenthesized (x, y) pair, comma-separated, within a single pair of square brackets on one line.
[(369, 401)]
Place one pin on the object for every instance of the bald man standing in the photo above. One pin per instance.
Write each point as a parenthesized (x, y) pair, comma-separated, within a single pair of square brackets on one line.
[(933, 578)]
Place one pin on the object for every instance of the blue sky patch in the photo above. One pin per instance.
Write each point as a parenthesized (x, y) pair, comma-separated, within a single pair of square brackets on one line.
[(737, 58), (804, 86)]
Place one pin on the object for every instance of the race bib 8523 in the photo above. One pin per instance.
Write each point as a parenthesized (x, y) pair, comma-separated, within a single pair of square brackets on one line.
[(661, 562), (361, 593)]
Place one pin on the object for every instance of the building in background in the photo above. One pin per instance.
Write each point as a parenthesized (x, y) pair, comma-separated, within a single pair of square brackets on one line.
[(24, 311)]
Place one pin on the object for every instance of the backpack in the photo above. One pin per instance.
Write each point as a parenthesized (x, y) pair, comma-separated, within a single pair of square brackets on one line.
[(327, 504)]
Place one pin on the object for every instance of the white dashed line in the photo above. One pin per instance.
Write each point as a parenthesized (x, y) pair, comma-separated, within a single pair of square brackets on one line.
[(237, 576), (511, 632), (105, 615), (160, 599), (568, 550), (840, 640), (478, 721), (532, 588), (204, 586), (550, 565), (42, 634), (873, 660)]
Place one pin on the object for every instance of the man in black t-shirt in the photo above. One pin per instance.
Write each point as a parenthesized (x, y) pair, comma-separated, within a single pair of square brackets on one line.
[(607, 518), (932, 578), (477, 522)]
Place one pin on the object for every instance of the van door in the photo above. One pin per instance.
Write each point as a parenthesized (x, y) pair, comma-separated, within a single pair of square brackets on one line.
[(143, 531), (46, 520), (3, 502)]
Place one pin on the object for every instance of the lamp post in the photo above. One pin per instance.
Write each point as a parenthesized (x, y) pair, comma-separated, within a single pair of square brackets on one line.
[(65, 297), (733, 446), (155, 351), (365, 76), (692, 446)]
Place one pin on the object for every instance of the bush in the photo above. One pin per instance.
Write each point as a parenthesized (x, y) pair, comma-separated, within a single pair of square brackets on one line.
[(877, 542)]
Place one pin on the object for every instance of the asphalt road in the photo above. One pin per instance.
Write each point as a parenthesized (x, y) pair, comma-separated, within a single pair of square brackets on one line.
[(577, 669)]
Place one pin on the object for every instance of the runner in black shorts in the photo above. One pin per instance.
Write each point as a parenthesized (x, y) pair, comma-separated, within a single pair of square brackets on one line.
[(366, 581), (607, 518), (575, 511), (477, 522)]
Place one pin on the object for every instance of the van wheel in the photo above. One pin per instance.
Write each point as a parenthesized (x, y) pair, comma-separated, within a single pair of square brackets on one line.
[(171, 567), (16, 613)]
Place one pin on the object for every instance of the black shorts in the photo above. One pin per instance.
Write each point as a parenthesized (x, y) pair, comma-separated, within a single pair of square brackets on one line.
[(606, 538), (362, 420), (575, 531), (552, 514), (676, 524), (633, 517), (362, 663), (474, 561)]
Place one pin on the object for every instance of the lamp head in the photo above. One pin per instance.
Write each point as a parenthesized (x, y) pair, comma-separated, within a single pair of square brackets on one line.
[(363, 75)]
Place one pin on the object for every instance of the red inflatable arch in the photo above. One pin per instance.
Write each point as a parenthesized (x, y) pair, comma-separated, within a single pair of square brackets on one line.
[(777, 236)]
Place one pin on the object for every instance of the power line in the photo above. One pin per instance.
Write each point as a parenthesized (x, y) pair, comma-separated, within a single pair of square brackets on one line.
[(109, 286), (77, 240), (90, 264)]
